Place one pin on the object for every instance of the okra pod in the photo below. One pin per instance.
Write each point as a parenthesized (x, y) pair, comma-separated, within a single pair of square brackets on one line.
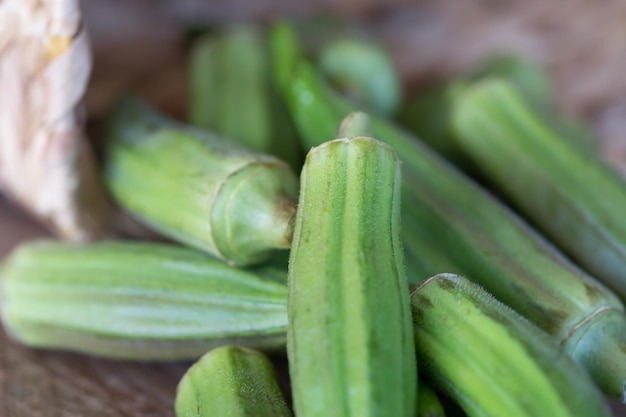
[(231, 381), (196, 188), (139, 301), (349, 337), (232, 93), (474, 234), (491, 360), (573, 196), (363, 72)]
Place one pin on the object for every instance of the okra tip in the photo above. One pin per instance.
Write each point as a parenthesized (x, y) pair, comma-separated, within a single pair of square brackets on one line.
[(355, 124)]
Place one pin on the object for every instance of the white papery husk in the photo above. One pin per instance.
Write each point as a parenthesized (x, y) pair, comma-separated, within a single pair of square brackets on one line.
[(46, 163)]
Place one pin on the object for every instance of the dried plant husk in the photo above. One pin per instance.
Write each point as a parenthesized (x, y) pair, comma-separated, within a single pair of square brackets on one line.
[(46, 163)]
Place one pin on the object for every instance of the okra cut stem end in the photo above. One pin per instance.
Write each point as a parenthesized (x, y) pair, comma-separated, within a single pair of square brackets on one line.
[(254, 212)]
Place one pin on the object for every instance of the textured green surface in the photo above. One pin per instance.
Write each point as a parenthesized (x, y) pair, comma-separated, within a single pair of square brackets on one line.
[(185, 183), (349, 339), (138, 301), (575, 197), (450, 224), (231, 382), (491, 360), (231, 92)]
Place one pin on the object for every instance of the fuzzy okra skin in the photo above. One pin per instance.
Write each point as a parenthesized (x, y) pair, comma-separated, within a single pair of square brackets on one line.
[(196, 188), (231, 92), (349, 338), (450, 224), (573, 196), (491, 360), (231, 381), (138, 301)]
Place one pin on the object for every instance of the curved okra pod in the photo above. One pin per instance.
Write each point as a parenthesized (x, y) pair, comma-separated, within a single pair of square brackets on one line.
[(231, 381), (446, 214), (196, 188), (138, 301), (491, 360), (349, 337)]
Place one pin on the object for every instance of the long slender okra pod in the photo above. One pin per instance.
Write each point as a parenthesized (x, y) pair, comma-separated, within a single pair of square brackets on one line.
[(138, 301), (474, 234), (231, 381), (572, 195), (349, 336), (199, 189), (491, 360)]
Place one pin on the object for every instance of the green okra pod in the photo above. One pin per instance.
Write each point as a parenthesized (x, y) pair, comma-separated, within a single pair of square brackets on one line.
[(573, 196), (450, 224), (491, 360), (139, 301), (232, 93), (428, 404), (363, 72), (199, 189), (231, 381), (349, 337)]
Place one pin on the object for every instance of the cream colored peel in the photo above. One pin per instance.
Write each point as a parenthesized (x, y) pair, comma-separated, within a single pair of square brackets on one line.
[(45, 162)]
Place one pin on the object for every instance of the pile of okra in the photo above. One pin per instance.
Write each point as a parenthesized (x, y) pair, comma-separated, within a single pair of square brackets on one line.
[(460, 252)]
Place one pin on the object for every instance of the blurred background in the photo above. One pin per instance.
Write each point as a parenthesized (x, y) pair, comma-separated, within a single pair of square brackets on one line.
[(143, 44)]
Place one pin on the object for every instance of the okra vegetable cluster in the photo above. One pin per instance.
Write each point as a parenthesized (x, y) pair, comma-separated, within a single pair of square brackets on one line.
[(497, 320)]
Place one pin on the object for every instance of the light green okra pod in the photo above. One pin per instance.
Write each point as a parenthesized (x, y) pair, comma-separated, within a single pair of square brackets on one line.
[(232, 93), (576, 198), (194, 187), (139, 301), (491, 360), (231, 381), (349, 337)]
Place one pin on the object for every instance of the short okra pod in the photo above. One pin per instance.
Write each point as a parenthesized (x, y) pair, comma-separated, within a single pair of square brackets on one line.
[(194, 187), (231, 381)]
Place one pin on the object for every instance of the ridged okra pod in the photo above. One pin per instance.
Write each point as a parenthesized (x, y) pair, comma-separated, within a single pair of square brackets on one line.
[(231, 381), (491, 360), (139, 301), (349, 337), (573, 196), (450, 224), (232, 93), (199, 189)]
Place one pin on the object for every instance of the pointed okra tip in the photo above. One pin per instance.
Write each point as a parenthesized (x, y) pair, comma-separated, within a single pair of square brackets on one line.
[(355, 124)]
